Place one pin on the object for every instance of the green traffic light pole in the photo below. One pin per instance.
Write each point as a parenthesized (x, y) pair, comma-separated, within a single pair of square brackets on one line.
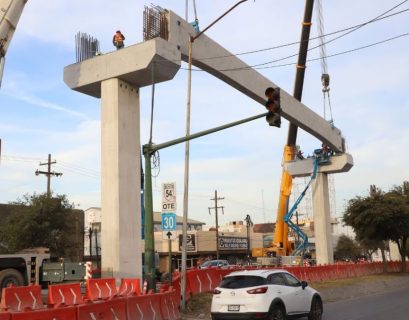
[(148, 150)]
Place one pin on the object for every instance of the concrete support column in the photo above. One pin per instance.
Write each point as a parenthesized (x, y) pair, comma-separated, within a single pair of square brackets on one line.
[(322, 220), (121, 180)]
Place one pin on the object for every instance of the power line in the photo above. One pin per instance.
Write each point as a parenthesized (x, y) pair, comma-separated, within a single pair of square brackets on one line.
[(61, 164), (76, 166), (78, 172), (339, 53), (313, 38), (350, 29), (314, 59)]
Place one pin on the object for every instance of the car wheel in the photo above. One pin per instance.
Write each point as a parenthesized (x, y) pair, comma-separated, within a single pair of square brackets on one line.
[(11, 277), (277, 313), (316, 309)]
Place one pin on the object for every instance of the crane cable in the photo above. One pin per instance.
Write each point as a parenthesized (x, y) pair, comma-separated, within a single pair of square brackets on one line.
[(325, 77), (195, 23)]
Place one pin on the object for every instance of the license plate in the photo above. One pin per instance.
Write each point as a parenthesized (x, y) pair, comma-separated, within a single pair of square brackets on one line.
[(233, 307)]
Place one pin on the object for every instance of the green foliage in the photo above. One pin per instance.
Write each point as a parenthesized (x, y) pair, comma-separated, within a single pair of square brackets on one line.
[(346, 248), (381, 217), (38, 221)]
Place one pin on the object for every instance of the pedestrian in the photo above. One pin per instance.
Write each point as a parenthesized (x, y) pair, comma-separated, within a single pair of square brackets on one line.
[(118, 40), (273, 106)]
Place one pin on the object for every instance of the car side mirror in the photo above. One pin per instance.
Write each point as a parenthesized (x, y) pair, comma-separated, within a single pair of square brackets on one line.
[(304, 284)]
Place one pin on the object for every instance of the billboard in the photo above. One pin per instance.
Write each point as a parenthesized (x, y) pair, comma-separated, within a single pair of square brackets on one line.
[(233, 243)]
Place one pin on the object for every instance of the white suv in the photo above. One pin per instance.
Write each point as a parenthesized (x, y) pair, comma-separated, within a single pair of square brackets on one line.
[(265, 294)]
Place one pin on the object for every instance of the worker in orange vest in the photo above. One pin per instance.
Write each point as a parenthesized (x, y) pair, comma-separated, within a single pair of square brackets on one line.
[(118, 40)]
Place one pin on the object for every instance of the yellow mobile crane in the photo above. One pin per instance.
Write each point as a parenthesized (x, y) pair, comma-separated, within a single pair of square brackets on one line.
[(281, 245)]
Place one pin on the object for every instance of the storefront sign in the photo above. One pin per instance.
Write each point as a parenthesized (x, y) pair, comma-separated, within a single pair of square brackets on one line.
[(232, 243)]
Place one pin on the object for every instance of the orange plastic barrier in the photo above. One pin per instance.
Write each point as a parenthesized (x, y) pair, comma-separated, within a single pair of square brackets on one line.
[(129, 287), (101, 289), (65, 295), (144, 307), (68, 313), (21, 298), (106, 310)]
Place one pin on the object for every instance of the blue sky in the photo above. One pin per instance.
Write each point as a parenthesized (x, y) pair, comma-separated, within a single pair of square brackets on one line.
[(40, 115)]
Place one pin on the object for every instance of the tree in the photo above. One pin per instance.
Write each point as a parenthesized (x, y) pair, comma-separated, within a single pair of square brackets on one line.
[(346, 248), (372, 246), (38, 221), (381, 217)]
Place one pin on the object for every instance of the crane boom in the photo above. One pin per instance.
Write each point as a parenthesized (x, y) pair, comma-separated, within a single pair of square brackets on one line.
[(10, 12), (282, 248)]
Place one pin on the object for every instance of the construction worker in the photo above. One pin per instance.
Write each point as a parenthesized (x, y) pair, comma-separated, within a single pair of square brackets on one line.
[(273, 106), (118, 40)]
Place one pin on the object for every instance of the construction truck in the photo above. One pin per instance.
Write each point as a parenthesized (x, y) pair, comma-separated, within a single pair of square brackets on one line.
[(34, 266)]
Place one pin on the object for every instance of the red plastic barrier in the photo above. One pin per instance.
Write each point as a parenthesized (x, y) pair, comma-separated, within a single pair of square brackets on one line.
[(170, 305), (214, 278), (192, 283), (204, 280), (65, 294), (175, 300), (130, 287), (106, 310), (4, 315), (68, 313), (101, 289), (21, 298), (144, 307)]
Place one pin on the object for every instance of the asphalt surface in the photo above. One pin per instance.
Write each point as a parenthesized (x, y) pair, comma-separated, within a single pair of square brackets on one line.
[(390, 305)]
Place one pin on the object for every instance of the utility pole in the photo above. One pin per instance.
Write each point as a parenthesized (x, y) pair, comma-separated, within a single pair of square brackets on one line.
[(215, 199), (249, 224), (48, 173)]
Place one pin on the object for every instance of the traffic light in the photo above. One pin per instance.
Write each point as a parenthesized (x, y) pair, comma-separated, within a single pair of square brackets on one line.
[(273, 105)]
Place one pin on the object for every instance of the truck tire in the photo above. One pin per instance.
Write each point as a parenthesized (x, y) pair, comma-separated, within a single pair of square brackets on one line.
[(11, 277)]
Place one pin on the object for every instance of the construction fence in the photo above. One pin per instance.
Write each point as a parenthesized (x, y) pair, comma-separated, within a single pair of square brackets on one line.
[(103, 300)]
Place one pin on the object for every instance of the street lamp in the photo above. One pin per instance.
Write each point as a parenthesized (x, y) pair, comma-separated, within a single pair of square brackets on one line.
[(187, 151)]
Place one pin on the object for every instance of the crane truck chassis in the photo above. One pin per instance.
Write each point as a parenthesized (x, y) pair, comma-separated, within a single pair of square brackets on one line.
[(21, 269)]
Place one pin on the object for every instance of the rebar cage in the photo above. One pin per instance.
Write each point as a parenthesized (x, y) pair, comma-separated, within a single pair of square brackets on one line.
[(155, 23)]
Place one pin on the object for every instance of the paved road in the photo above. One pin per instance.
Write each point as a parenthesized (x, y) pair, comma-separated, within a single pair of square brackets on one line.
[(392, 305)]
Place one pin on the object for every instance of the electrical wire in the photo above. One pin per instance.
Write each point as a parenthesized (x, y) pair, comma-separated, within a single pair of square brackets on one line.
[(313, 38), (156, 164), (379, 18), (65, 168), (62, 164), (310, 60)]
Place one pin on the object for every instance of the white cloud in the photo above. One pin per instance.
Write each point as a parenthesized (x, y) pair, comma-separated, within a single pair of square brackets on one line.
[(368, 95)]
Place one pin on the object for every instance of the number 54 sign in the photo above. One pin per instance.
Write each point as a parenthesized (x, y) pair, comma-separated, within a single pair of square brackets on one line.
[(169, 197)]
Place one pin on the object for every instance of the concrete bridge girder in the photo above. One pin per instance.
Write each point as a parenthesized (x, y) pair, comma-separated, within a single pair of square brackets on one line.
[(304, 168), (239, 75)]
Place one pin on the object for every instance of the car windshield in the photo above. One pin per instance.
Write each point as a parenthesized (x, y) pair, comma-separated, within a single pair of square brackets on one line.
[(206, 264), (239, 282)]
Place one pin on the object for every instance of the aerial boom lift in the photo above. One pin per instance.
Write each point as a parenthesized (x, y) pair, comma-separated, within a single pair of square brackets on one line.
[(10, 12)]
